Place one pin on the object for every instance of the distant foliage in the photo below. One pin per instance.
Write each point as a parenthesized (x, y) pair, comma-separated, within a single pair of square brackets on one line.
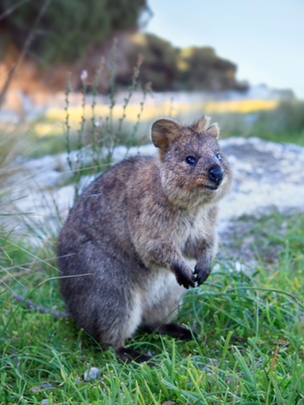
[(68, 28), (170, 68), (159, 61), (292, 116), (200, 68)]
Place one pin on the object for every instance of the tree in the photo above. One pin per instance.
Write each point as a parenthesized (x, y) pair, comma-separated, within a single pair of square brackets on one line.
[(200, 68), (68, 28), (159, 61), (170, 68)]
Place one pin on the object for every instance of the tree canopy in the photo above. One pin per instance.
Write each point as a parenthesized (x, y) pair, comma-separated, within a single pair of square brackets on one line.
[(170, 68), (62, 32), (67, 28)]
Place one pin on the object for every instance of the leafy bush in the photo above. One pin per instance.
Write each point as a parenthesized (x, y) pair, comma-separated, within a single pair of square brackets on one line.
[(170, 68), (68, 28), (200, 68), (159, 61)]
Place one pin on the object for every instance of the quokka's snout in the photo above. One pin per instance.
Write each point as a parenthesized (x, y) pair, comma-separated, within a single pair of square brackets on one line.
[(216, 175)]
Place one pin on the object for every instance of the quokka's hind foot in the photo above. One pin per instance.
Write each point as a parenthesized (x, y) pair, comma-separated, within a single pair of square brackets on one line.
[(127, 354), (173, 329)]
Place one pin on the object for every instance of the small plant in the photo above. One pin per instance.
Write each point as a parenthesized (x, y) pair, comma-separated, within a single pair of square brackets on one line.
[(105, 133), (250, 347)]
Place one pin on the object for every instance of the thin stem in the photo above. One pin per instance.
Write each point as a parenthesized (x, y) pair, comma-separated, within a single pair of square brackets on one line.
[(27, 44), (80, 134), (67, 124), (147, 90), (94, 92), (136, 71), (112, 98)]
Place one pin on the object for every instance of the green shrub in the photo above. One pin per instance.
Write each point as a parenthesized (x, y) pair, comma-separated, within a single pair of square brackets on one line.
[(69, 28), (170, 68)]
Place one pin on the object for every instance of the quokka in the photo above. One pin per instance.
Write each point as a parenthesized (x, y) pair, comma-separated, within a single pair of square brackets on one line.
[(124, 251)]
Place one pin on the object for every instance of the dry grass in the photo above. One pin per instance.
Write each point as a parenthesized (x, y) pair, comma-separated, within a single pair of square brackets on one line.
[(13, 143)]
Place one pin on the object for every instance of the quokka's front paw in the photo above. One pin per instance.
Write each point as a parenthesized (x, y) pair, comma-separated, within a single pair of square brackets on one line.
[(202, 271), (184, 275)]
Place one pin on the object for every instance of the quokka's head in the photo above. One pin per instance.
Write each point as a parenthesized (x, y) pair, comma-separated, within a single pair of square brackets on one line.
[(193, 168)]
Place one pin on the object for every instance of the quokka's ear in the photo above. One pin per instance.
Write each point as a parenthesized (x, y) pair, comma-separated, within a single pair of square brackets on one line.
[(213, 130), (164, 131), (201, 124)]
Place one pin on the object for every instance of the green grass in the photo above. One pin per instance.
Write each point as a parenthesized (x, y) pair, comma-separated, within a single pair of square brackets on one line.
[(283, 124), (250, 348), (250, 324)]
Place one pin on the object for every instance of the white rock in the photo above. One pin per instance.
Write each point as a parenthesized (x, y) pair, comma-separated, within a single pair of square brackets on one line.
[(91, 374), (276, 177), (144, 150), (120, 152)]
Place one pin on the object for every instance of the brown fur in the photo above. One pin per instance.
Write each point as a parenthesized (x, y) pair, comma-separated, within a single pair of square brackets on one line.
[(125, 248)]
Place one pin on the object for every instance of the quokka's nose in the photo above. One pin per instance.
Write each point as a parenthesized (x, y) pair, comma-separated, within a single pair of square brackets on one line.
[(216, 174)]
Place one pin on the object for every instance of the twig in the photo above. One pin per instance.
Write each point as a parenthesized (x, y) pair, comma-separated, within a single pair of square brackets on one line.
[(31, 305), (10, 10), (25, 48)]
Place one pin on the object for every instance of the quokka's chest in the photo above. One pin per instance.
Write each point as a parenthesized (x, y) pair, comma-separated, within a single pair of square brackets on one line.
[(192, 227)]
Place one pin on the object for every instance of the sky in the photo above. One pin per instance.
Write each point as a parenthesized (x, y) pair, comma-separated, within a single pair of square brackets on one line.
[(265, 38)]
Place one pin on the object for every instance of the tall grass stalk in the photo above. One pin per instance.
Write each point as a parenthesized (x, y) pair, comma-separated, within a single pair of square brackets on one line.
[(135, 76), (94, 133), (109, 119), (79, 161), (106, 135), (67, 123), (147, 90)]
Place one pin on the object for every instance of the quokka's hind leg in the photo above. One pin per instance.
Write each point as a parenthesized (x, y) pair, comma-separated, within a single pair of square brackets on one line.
[(131, 323), (158, 314), (127, 354), (173, 329), (177, 330)]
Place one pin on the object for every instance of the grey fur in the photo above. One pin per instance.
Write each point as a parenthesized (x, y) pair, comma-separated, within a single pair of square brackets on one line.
[(124, 250)]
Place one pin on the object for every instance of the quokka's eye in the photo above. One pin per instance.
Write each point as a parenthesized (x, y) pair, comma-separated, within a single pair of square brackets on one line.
[(190, 160), (218, 156)]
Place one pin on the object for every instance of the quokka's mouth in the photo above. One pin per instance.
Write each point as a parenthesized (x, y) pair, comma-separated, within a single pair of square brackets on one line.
[(213, 188)]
